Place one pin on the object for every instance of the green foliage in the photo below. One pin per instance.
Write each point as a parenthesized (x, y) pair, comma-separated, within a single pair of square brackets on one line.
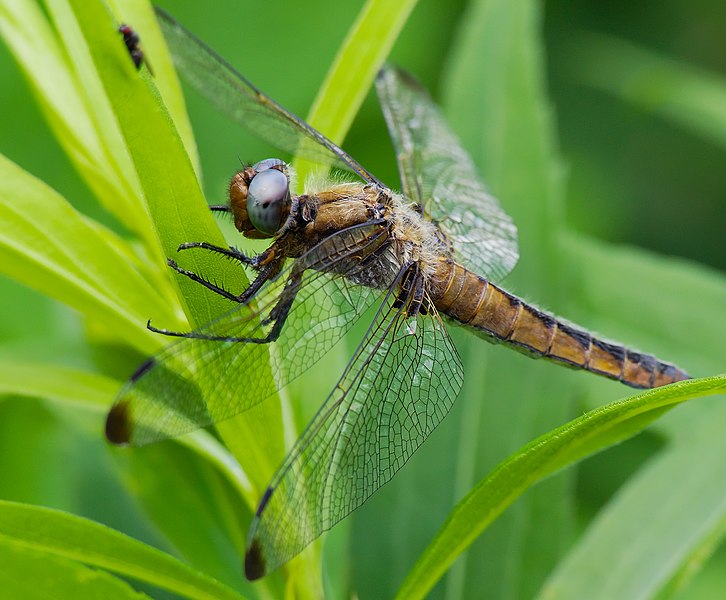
[(64, 535), (61, 578), (127, 138), (50, 254), (691, 97), (556, 450)]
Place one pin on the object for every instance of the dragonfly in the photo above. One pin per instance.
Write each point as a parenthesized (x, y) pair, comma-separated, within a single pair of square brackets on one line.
[(410, 260)]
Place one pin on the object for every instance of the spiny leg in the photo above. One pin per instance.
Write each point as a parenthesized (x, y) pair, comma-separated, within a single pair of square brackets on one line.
[(278, 314), (230, 252), (282, 309), (267, 264), (199, 279), (264, 273)]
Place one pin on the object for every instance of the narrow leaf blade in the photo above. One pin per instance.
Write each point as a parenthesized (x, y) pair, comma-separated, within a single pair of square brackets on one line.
[(72, 537), (559, 448)]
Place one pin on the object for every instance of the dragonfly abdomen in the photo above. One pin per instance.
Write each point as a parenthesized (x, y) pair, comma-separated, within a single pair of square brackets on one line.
[(502, 317)]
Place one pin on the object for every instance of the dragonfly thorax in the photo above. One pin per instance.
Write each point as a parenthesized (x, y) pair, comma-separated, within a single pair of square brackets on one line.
[(418, 240)]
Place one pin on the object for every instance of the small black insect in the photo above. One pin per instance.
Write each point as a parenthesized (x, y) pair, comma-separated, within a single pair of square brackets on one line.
[(132, 41)]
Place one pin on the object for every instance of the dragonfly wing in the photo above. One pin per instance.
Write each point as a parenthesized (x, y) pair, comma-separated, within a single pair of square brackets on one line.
[(397, 388), (195, 382), (230, 92), (439, 174)]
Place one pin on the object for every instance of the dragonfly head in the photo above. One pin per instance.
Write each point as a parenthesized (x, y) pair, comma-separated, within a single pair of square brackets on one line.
[(260, 198)]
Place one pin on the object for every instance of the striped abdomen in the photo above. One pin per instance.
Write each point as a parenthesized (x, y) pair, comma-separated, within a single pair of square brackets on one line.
[(479, 304)]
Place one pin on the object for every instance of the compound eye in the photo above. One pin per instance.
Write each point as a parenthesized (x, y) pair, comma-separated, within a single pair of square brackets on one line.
[(270, 163), (267, 196)]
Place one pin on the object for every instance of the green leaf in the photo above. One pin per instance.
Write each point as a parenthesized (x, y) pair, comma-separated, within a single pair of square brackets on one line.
[(69, 95), (95, 393), (58, 383), (562, 447), (684, 94), (356, 64), (694, 562), (360, 57), (168, 182), (70, 537), (203, 523), (674, 507), (677, 523), (177, 207), (31, 574), (46, 244), (141, 14)]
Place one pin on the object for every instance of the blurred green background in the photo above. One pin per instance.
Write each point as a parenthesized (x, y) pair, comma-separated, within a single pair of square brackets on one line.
[(630, 174), (632, 177)]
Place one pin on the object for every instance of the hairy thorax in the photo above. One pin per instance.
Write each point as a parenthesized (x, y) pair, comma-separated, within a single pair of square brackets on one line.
[(410, 238)]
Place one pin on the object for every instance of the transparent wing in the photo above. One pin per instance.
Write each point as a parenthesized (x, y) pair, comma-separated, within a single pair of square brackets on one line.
[(230, 92), (397, 388), (195, 382), (438, 173)]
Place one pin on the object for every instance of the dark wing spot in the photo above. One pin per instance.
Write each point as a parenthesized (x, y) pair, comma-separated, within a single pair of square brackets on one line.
[(264, 500), (145, 366), (254, 561), (118, 424)]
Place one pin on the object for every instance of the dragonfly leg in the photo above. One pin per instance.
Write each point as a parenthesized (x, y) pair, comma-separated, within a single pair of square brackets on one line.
[(255, 262), (417, 305), (199, 279), (278, 314), (265, 272), (412, 292), (266, 265), (405, 290), (230, 252)]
